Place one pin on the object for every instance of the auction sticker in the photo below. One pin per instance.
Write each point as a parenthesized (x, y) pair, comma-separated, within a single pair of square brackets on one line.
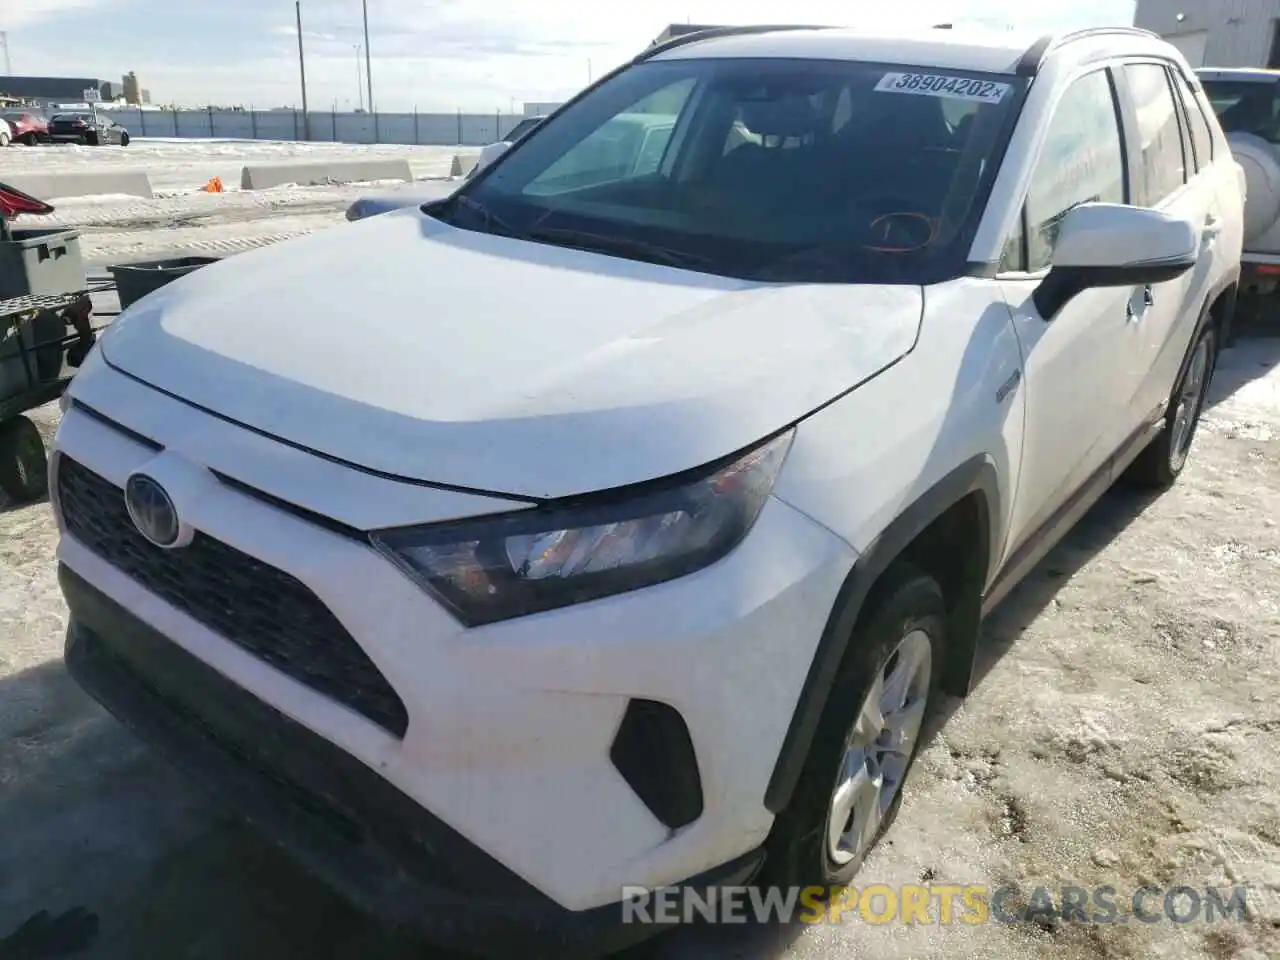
[(937, 85)]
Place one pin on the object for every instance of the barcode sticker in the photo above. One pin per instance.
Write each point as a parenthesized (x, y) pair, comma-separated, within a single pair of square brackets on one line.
[(937, 85)]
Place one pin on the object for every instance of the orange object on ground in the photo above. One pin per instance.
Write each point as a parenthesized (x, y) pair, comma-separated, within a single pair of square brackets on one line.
[(213, 186)]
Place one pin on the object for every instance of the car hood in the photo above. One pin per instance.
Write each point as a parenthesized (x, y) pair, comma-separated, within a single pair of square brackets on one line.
[(419, 350)]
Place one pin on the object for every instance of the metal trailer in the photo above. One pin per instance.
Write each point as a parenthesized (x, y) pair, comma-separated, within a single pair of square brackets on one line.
[(44, 337)]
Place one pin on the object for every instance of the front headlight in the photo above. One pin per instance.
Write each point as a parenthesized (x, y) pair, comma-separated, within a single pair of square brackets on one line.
[(497, 568)]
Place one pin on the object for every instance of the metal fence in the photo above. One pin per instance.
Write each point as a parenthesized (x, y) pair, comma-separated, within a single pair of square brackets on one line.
[(328, 126)]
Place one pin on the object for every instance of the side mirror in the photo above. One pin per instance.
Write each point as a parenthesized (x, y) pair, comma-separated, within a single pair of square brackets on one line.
[(1115, 245)]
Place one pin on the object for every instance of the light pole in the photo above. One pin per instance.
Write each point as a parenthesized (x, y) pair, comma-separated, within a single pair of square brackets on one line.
[(4, 41), (359, 82), (302, 69), (368, 62)]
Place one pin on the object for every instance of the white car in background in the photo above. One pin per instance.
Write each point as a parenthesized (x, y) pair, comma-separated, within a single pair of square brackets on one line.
[(6, 133), (494, 150), (416, 194), (617, 519)]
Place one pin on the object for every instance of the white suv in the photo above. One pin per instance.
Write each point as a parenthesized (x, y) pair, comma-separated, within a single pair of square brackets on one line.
[(617, 523)]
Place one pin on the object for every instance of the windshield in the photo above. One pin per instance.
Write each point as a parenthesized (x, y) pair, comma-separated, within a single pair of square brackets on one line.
[(1245, 106), (768, 169)]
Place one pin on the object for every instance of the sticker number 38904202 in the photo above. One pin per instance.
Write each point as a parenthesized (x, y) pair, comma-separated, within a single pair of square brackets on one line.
[(936, 85)]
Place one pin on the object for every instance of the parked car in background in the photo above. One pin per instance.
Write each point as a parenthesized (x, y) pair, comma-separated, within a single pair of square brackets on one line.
[(621, 518), (89, 129), (621, 147), (493, 150), (397, 198), (1247, 103), (6, 133), (26, 127)]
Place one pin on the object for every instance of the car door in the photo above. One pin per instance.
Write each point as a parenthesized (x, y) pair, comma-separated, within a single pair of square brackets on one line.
[(1078, 380), (1167, 178)]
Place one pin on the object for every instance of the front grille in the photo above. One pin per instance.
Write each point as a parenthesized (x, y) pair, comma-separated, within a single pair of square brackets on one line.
[(252, 604)]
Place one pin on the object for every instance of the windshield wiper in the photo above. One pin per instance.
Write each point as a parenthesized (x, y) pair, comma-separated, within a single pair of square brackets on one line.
[(489, 218), (609, 243)]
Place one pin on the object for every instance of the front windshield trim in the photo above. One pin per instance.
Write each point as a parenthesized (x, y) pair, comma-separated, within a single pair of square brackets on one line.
[(928, 266)]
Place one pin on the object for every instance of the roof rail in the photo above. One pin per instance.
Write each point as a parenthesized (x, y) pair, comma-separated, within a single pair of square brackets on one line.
[(713, 33), (1101, 31), (1029, 64)]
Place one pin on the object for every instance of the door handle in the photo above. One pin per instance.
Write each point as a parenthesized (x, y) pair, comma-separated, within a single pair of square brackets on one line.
[(1148, 296), (1211, 230)]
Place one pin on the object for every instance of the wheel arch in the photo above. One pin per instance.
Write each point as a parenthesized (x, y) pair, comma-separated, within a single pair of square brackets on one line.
[(974, 487)]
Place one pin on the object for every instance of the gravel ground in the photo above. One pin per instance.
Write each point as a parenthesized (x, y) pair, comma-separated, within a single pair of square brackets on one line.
[(1126, 732)]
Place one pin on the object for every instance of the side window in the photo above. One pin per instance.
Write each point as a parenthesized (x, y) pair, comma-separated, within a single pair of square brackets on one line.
[(1201, 138), (1160, 165), (1082, 162)]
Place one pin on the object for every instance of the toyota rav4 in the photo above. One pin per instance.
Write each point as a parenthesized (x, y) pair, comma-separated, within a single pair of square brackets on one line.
[(617, 519)]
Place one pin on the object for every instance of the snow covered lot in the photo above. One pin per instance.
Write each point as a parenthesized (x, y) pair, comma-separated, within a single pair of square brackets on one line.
[(1126, 731), (181, 220), (176, 165)]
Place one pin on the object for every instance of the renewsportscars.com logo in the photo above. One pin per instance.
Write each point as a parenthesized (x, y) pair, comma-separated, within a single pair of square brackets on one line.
[(935, 904)]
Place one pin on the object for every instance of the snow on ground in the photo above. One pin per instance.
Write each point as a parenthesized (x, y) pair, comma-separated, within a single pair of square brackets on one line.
[(1126, 731), (178, 165), (182, 220)]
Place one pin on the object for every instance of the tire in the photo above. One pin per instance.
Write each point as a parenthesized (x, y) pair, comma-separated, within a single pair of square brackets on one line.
[(124, 139), (4, 139), (24, 468), (29, 139), (905, 624), (1162, 462)]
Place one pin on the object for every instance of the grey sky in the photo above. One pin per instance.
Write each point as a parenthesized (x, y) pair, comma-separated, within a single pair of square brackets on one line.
[(436, 54)]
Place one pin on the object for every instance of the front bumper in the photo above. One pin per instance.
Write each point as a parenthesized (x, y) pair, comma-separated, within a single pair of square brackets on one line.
[(359, 833), (512, 730)]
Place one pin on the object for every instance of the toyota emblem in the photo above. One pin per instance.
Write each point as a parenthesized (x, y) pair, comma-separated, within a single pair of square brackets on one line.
[(151, 510)]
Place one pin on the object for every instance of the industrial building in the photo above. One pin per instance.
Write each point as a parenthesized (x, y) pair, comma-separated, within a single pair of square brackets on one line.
[(1216, 33), (50, 88)]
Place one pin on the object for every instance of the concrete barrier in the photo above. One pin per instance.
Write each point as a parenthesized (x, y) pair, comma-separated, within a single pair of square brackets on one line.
[(57, 186), (260, 176)]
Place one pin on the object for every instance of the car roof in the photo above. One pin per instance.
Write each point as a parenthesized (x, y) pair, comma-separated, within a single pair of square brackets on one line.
[(977, 49), (1245, 74)]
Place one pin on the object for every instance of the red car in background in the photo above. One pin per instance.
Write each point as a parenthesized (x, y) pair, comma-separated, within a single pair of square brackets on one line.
[(29, 128)]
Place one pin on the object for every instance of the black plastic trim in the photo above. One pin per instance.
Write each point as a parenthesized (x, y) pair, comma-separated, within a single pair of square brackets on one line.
[(374, 844), (654, 753), (975, 474), (1029, 64), (120, 428), (1033, 549)]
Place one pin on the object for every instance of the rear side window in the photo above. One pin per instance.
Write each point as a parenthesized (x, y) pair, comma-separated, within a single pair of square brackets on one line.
[(1082, 162), (1159, 165), (1201, 138)]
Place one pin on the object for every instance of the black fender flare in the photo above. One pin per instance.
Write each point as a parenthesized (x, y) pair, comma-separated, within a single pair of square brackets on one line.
[(978, 474)]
